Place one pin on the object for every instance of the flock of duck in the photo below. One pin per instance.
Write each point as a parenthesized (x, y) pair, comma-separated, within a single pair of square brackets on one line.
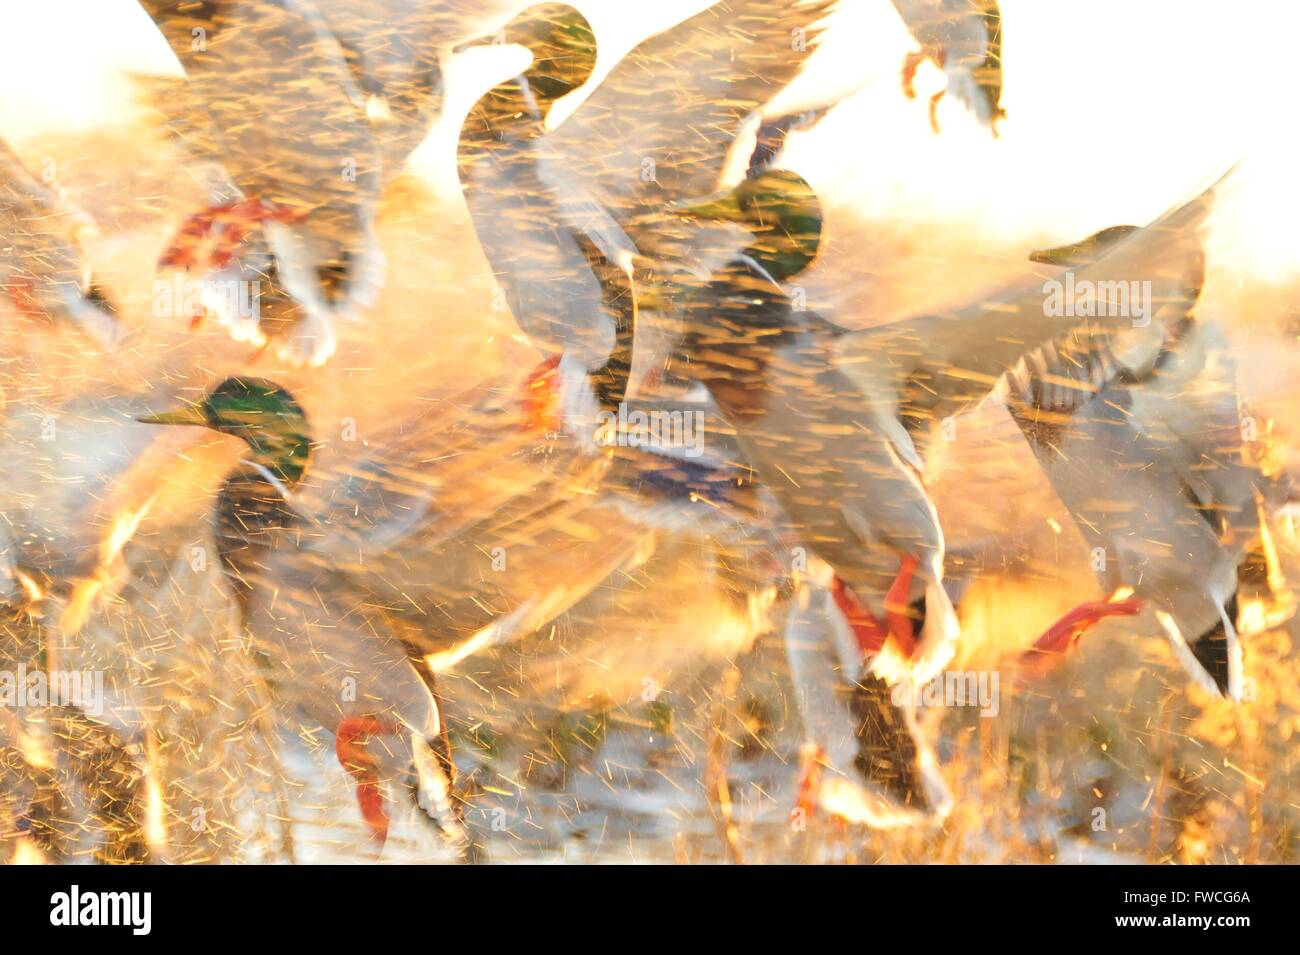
[(654, 290)]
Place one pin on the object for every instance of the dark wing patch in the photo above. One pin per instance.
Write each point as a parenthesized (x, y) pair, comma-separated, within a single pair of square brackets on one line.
[(1211, 649)]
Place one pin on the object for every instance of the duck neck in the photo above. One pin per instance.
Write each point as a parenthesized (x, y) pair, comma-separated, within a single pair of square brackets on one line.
[(507, 114), (556, 70), (252, 510), (619, 293), (284, 454), (782, 263)]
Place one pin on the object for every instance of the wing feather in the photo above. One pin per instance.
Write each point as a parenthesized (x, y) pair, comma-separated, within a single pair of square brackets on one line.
[(931, 367), (660, 126)]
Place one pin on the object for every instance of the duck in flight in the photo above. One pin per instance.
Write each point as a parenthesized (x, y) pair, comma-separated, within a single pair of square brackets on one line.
[(964, 39), (569, 217), (835, 422), (1144, 446)]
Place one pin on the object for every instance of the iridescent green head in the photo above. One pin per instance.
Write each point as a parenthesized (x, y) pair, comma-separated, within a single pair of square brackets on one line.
[(782, 211), (563, 45), (265, 415)]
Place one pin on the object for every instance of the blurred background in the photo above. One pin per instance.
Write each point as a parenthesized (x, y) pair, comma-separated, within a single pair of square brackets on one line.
[(1116, 111)]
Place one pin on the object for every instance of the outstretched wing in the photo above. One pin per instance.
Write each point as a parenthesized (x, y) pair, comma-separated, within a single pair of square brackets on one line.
[(276, 87), (1192, 409), (660, 125), (393, 50), (925, 369)]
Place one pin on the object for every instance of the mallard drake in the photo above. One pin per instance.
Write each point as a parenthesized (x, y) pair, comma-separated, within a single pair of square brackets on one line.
[(409, 564), (835, 424), (770, 367), (564, 225), (832, 419), (43, 269), (1144, 447), (564, 262), (964, 39), (353, 674), (249, 109)]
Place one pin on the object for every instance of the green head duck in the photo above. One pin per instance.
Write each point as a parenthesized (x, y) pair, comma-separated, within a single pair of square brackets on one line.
[(262, 413), (782, 211)]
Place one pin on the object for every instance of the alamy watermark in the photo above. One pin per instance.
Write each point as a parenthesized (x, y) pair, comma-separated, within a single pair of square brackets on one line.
[(654, 428), (25, 688), (976, 688), (189, 298), (1087, 298), (133, 910)]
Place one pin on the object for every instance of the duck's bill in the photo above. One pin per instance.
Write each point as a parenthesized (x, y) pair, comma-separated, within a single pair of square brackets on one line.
[(723, 206), (189, 415), (1061, 255), (1086, 250)]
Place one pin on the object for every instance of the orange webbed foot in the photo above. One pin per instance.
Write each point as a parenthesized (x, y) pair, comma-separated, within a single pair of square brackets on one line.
[(350, 738)]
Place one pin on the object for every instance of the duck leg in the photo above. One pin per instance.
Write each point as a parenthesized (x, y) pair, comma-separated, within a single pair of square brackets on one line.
[(868, 629), (1064, 635), (23, 294), (897, 608), (431, 790), (910, 63), (183, 249), (350, 739), (210, 237), (934, 111), (540, 403), (812, 759), (434, 792)]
